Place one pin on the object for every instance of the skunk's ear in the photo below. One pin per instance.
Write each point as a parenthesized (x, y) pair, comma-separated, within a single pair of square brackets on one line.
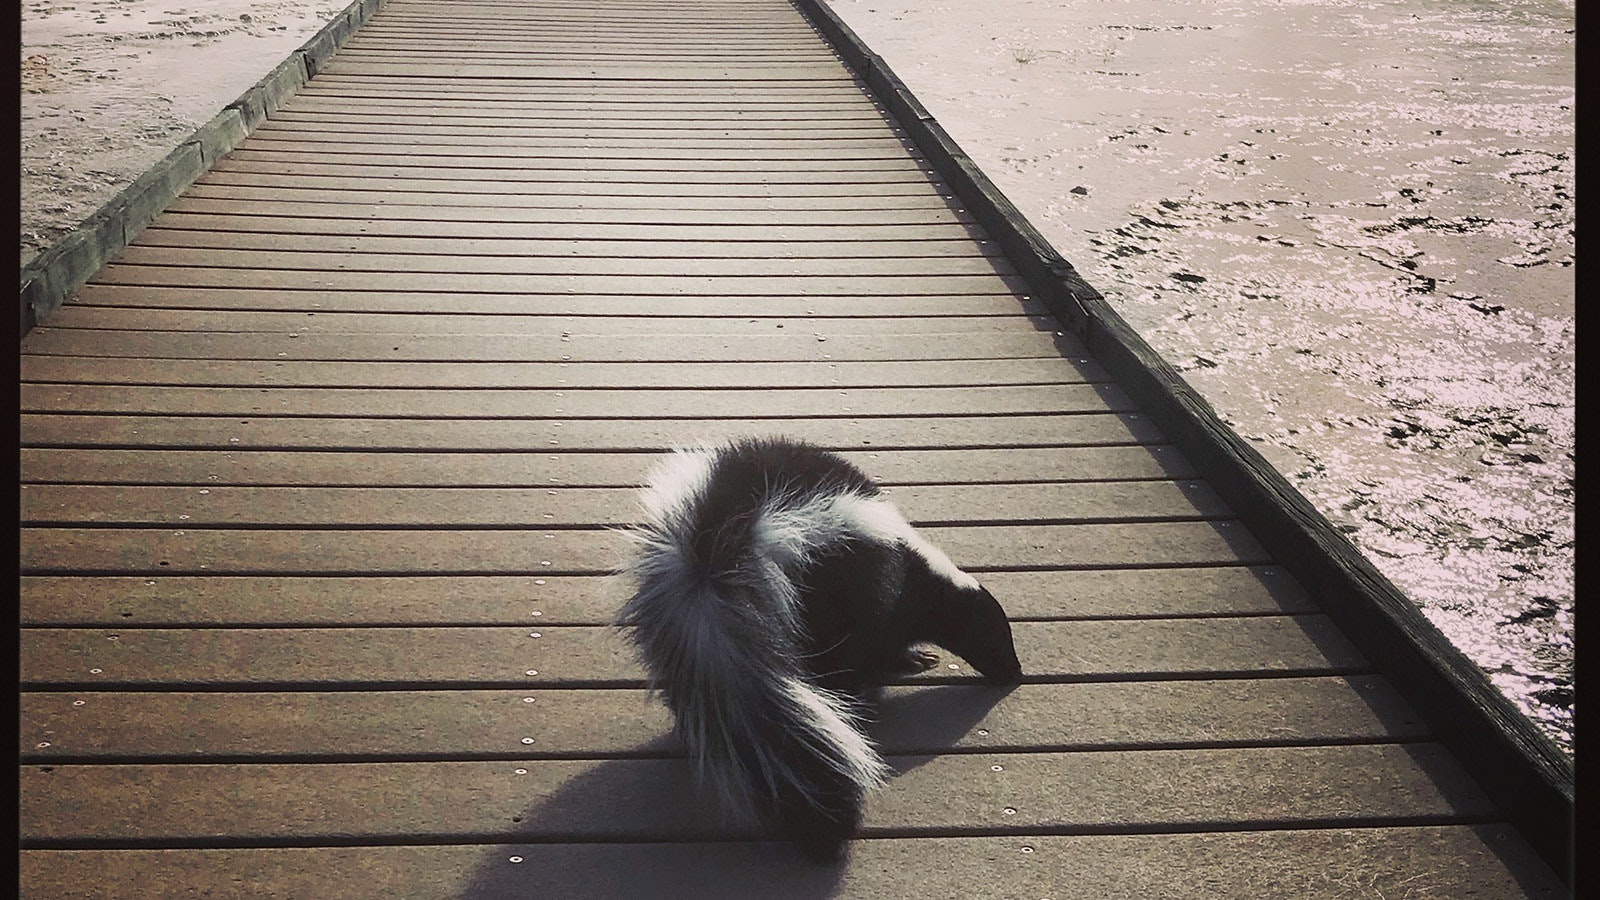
[(969, 622)]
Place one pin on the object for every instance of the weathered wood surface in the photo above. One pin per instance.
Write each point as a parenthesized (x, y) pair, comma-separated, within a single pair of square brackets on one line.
[(643, 799), (416, 724), (1066, 433), (566, 655), (761, 341), (1339, 864), (320, 480), (289, 601), (300, 507)]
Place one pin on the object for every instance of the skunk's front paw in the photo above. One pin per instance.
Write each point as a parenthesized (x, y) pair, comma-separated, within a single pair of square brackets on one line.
[(915, 660)]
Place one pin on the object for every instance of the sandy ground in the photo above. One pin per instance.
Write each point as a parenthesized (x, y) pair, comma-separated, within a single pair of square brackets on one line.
[(1349, 223), (109, 87)]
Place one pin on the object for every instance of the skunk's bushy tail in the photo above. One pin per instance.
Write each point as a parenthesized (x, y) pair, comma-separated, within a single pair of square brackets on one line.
[(716, 621)]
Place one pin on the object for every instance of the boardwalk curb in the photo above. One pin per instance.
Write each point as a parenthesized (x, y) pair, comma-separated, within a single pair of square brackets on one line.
[(1521, 768), (54, 275)]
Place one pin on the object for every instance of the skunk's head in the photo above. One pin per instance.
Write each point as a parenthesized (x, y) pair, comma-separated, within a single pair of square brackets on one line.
[(985, 636), (968, 621)]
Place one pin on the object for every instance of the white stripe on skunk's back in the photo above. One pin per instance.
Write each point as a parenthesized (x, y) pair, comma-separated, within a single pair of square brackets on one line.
[(791, 526), (878, 519)]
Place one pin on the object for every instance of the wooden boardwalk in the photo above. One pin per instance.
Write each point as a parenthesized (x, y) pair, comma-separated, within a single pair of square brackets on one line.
[(320, 476)]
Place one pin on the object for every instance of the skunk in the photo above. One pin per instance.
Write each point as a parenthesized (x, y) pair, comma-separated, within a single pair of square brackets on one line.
[(774, 591)]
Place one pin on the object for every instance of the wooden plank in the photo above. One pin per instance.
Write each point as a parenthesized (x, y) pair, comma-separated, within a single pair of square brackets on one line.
[(128, 601), (581, 403), (619, 32), (280, 341), (623, 206), (886, 144), (547, 376), (573, 324), (724, 20), (683, 110), (932, 310), (608, 49), (429, 208), (609, 83), (619, 91), (471, 724), (840, 111), (491, 15), (633, 192), (354, 172), (488, 551), (642, 45), (776, 253), (565, 469), (604, 31), (334, 145), (603, 21), (591, 96), (697, 285), (579, 656), (638, 268), (1330, 864), (488, 119), (648, 50), (270, 157), (228, 507), (498, 435), (644, 799), (711, 69)]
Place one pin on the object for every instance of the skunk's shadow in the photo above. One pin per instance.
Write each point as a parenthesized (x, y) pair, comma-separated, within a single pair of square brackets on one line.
[(636, 827)]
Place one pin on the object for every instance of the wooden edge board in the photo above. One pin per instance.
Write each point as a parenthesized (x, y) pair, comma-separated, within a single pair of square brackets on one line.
[(1521, 767), (50, 278)]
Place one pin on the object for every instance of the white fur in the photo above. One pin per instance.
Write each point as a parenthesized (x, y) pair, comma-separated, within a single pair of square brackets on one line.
[(879, 519), (675, 484), (791, 528)]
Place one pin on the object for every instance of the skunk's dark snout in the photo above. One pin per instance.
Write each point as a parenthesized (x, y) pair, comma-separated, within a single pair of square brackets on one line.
[(969, 622), (997, 654)]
